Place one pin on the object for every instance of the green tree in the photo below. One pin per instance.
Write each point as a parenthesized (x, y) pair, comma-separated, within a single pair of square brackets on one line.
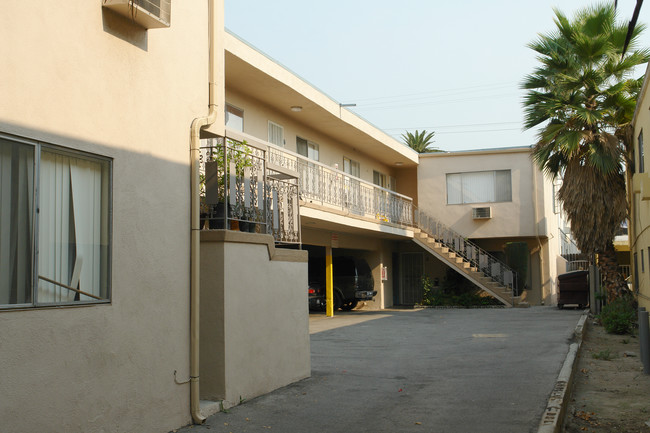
[(420, 141), (583, 95)]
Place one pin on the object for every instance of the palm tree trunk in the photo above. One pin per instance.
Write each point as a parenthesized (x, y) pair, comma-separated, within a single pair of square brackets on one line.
[(612, 280)]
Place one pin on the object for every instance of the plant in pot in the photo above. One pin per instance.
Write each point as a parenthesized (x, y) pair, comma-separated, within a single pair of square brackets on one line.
[(225, 165)]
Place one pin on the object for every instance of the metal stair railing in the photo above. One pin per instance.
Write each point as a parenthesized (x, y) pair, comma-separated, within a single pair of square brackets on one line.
[(492, 267)]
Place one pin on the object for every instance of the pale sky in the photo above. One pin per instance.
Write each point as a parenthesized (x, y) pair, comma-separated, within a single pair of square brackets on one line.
[(453, 67)]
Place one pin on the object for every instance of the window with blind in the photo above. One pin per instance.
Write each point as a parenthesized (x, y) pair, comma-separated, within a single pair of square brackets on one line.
[(479, 187), (351, 167), (276, 134), (55, 225), (307, 148)]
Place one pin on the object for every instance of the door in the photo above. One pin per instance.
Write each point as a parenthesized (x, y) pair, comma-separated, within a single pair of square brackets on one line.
[(412, 269)]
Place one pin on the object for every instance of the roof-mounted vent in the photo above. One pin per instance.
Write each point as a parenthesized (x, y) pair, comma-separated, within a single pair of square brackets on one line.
[(481, 213), (150, 14)]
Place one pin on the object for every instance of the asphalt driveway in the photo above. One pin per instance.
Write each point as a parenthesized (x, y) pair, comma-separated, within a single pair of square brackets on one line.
[(484, 370)]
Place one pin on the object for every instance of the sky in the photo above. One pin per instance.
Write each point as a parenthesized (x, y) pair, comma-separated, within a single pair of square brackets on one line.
[(452, 67)]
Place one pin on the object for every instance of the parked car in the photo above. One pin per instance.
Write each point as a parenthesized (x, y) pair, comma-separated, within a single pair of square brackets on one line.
[(353, 282)]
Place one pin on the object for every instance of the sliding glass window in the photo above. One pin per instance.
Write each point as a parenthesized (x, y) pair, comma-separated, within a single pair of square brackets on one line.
[(55, 225), (479, 187)]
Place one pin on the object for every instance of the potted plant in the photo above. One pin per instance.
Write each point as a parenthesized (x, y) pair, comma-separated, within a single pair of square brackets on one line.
[(215, 183)]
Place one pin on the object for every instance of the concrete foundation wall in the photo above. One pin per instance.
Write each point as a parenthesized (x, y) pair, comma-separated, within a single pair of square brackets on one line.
[(254, 316)]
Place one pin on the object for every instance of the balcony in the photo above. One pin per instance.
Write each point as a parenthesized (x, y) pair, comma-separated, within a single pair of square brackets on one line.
[(336, 190), (262, 185), (239, 192)]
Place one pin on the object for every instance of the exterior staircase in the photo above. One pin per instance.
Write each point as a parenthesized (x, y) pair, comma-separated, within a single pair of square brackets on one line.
[(466, 258)]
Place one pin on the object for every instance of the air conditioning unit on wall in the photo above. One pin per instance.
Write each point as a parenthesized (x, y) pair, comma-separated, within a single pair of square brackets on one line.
[(150, 14), (481, 213)]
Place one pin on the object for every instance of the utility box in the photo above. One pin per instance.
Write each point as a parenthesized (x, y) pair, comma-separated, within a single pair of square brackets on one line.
[(574, 289)]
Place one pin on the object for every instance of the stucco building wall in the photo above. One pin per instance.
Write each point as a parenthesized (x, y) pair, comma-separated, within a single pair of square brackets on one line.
[(78, 76), (254, 317), (529, 217), (639, 192), (331, 151)]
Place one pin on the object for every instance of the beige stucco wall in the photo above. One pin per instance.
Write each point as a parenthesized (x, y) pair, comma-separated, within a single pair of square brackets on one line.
[(331, 151), (524, 218), (254, 325), (513, 218), (640, 215), (76, 76)]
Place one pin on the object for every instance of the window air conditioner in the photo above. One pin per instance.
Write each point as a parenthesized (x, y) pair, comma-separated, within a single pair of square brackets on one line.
[(481, 213), (150, 14)]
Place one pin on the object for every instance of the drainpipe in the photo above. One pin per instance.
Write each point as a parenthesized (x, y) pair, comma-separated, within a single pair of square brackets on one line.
[(195, 242), (539, 242)]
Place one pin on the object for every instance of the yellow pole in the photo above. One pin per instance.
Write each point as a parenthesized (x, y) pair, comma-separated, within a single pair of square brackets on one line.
[(329, 283)]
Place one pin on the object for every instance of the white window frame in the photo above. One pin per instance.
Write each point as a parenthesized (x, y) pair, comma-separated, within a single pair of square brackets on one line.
[(43, 202), (279, 131), (353, 167), (380, 179), (466, 198), (311, 148), (231, 110), (385, 181)]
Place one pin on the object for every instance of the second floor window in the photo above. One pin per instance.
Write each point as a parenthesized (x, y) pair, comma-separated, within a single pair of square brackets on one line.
[(479, 187), (353, 168), (276, 134), (641, 156), (307, 148), (383, 180), (234, 118)]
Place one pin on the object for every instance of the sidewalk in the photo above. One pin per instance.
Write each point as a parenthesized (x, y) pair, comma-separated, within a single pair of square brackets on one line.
[(426, 370)]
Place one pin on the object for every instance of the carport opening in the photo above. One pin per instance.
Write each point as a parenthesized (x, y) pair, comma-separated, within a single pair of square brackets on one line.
[(353, 280)]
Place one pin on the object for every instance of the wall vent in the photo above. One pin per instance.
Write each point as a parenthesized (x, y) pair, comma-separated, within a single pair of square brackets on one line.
[(150, 14), (481, 213)]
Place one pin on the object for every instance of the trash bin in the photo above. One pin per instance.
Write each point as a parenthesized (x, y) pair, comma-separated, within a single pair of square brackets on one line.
[(574, 289)]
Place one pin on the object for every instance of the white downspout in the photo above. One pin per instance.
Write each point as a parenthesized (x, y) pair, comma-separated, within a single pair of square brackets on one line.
[(195, 242)]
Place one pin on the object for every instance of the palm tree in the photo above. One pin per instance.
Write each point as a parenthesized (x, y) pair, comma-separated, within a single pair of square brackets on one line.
[(584, 96), (420, 141)]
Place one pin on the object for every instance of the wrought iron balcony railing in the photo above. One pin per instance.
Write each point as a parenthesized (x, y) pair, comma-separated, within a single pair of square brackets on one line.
[(239, 191), (330, 187)]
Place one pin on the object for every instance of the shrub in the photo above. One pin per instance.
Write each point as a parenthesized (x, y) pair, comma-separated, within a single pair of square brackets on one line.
[(456, 291), (619, 316)]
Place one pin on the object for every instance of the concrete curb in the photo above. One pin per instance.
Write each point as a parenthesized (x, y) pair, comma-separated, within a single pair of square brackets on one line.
[(553, 417)]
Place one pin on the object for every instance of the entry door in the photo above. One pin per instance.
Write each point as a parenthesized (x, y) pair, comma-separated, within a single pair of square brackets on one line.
[(412, 269)]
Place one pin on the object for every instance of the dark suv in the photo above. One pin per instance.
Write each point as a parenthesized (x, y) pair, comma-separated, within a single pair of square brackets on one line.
[(352, 282)]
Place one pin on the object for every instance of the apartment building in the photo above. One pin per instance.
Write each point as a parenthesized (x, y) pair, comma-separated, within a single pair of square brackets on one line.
[(163, 184), (495, 197), (639, 199), (102, 105)]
